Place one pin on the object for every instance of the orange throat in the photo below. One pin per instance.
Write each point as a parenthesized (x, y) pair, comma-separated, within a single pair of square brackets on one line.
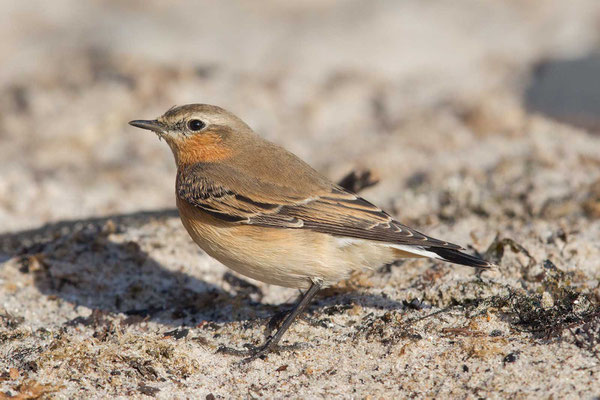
[(200, 148)]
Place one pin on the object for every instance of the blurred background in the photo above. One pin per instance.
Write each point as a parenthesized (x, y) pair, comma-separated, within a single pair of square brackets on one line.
[(479, 119), (417, 91)]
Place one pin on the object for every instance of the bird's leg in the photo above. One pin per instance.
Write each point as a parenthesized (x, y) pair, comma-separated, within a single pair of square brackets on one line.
[(272, 341)]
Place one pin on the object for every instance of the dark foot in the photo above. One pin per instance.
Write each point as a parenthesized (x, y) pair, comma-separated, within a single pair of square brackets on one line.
[(237, 352), (252, 352), (271, 343)]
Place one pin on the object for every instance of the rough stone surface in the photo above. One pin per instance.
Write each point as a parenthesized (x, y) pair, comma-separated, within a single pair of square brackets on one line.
[(99, 298)]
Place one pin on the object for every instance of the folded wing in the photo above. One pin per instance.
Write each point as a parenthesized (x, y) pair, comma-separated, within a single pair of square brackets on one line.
[(331, 210)]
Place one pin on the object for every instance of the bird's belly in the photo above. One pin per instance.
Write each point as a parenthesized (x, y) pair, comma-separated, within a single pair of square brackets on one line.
[(284, 257)]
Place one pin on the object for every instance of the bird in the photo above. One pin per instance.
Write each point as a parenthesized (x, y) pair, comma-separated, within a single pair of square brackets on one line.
[(266, 214)]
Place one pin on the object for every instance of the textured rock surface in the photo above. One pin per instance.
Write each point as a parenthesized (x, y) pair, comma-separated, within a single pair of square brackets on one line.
[(107, 300)]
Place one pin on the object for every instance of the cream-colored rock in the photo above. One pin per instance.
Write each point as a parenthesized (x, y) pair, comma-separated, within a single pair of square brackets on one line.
[(427, 94)]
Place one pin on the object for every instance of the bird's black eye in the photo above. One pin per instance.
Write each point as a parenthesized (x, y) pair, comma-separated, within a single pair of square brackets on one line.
[(195, 125)]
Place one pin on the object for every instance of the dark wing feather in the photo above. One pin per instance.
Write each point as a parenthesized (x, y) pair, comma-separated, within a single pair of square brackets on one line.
[(332, 210), (342, 213)]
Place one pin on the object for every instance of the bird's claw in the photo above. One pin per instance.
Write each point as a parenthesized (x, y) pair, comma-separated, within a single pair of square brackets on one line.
[(252, 352)]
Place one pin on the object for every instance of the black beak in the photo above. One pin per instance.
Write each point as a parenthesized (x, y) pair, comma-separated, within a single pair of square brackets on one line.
[(153, 125)]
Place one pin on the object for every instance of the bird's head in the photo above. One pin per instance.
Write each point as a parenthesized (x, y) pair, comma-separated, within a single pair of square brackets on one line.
[(199, 132)]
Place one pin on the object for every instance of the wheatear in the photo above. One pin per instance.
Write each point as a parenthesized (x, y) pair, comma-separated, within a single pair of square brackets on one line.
[(266, 214)]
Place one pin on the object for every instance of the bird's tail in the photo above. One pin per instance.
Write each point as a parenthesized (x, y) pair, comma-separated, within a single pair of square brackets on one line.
[(458, 257), (442, 253)]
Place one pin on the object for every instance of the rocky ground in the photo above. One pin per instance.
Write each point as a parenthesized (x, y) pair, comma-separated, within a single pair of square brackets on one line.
[(102, 293)]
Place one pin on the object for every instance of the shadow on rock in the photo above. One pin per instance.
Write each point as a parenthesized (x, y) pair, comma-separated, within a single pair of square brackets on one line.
[(77, 262), (567, 90)]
